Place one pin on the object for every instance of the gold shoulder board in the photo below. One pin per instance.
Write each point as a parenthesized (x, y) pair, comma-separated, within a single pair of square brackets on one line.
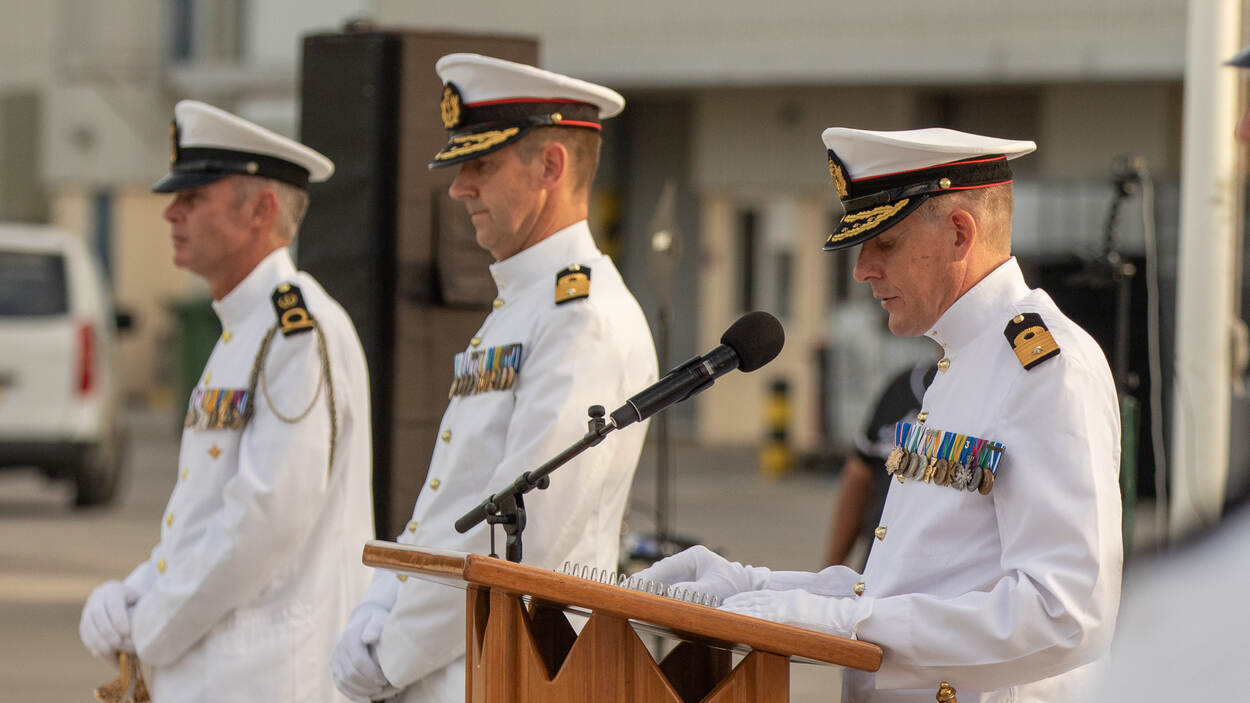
[(1030, 339), (572, 283), (293, 315)]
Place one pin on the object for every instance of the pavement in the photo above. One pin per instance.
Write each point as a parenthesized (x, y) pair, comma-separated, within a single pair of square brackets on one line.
[(52, 556)]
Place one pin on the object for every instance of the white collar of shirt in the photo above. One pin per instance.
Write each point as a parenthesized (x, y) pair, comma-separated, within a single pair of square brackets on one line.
[(257, 286), (573, 244), (991, 297)]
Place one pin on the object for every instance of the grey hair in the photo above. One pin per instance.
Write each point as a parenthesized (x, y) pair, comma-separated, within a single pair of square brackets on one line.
[(992, 208), (292, 202)]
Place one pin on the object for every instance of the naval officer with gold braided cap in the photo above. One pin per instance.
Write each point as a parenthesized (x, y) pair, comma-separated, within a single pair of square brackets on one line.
[(257, 566), (995, 572), (565, 333)]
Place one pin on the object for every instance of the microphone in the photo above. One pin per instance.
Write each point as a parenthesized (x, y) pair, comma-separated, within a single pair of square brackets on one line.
[(754, 340)]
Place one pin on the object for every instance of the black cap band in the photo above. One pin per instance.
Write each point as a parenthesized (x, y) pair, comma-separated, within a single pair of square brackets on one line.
[(516, 111), (199, 166)]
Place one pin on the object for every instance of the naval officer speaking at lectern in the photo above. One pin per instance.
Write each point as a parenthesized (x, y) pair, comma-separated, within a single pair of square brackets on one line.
[(995, 571)]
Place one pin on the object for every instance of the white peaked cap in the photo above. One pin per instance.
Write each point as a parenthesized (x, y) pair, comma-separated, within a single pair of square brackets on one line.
[(209, 143)]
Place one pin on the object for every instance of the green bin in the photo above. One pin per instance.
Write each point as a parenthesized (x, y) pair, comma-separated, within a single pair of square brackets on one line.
[(194, 337)]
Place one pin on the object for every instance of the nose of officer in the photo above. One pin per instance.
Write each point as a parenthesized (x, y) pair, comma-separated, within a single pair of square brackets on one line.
[(173, 211), (1243, 127), (866, 266), (462, 187)]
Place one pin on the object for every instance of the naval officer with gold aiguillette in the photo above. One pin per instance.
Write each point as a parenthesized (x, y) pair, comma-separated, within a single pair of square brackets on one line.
[(258, 562)]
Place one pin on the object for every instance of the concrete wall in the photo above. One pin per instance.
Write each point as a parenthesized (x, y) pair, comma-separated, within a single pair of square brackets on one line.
[(285, 22), (103, 135), (770, 138), (1083, 126), (26, 47), (734, 42)]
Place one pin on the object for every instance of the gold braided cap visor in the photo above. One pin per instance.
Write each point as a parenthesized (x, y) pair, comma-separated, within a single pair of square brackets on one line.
[(480, 128), (875, 204)]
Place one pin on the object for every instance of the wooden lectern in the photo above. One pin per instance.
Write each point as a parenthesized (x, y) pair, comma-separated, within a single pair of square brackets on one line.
[(526, 653)]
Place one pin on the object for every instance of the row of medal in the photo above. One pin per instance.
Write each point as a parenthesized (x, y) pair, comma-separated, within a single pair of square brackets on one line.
[(484, 370), (960, 461), (218, 409)]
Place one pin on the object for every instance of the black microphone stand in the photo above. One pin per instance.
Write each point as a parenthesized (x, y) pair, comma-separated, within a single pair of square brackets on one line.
[(664, 253), (1126, 175), (507, 507), (1112, 271)]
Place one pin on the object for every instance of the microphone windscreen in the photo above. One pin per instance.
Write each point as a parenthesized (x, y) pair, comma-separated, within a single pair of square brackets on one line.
[(756, 338)]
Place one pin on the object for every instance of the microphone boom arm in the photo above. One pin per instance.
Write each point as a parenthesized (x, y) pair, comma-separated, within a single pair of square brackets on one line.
[(507, 508), (752, 341)]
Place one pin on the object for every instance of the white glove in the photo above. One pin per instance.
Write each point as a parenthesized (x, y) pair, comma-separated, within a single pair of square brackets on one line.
[(354, 663), (832, 581), (700, 569), (838, 616), (105, 624)]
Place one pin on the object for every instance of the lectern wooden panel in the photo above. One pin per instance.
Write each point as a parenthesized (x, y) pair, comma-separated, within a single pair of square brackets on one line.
[(527, 653)]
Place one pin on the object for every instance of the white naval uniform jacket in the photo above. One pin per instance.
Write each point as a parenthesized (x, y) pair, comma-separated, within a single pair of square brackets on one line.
[(1008, 596), (258, 564), (589, 351)]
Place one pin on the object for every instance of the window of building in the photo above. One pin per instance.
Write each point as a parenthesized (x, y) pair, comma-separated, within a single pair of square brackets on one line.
[(782, 263), (766, 232), (747, 237)]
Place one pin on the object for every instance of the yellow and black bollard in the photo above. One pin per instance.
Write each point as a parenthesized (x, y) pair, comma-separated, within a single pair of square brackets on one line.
[(776, 458)]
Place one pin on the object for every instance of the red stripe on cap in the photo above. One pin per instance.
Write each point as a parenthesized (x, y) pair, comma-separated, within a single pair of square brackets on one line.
[(527, 100), (984, 185), (577, 123), (926, 168)]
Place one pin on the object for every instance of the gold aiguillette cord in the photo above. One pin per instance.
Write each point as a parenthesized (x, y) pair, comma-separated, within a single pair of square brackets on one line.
[(128, 687)]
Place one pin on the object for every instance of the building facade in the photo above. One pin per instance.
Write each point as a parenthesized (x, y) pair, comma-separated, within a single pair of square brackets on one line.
[(726, 102)]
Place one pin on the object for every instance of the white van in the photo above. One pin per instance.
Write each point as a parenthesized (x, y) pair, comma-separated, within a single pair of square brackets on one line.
[(59, 408)]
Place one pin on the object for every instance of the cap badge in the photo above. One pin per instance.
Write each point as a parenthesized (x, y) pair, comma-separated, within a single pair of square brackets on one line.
[(838, 173), (572, 283), (173, 141), (451, 106)]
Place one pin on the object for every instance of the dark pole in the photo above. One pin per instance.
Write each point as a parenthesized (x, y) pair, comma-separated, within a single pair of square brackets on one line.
[(663, 486), (665, 249)]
